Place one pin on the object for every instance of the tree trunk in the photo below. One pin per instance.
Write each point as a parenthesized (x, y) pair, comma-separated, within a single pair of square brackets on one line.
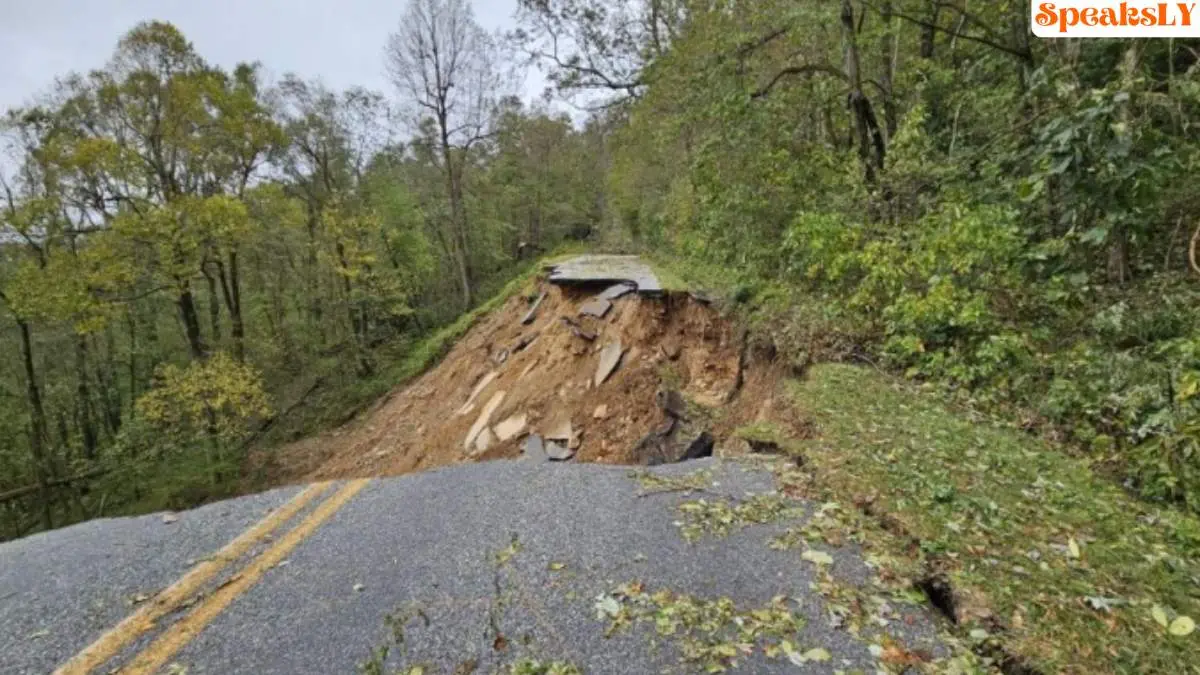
[(214, 306), (231, 290), (83, 399), (869, 139), (888, 59), (37, 426), (191, 321), (458, 225)]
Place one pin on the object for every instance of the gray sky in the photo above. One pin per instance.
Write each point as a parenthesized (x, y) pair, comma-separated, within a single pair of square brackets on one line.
[(339, 41)]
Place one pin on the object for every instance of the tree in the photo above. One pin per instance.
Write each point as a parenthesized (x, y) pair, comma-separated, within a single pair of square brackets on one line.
[(443, 65)]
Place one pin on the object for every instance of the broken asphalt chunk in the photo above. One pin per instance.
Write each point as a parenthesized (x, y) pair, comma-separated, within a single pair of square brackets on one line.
[(590, 269), (535, 449), (532, 313), (596, 307), (610, 358), (614, 292)]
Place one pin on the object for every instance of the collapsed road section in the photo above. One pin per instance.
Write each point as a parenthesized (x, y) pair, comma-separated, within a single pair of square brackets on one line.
[(594, 362)]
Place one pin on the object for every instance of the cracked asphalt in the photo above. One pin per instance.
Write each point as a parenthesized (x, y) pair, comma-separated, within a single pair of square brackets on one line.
[(478, 566)]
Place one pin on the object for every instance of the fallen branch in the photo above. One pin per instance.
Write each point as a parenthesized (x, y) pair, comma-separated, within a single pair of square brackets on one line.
[(20, 492)]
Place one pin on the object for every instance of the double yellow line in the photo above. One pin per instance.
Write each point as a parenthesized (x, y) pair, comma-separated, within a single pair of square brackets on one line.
[(180, 633)]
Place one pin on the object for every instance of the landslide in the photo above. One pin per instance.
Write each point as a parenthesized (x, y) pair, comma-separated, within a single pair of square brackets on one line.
[(542, 375)]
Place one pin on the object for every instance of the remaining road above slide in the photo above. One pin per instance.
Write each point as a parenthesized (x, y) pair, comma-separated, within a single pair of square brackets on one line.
[(473, 568)]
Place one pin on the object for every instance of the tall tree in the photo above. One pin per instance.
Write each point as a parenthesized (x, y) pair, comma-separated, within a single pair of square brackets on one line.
[(444, 66)]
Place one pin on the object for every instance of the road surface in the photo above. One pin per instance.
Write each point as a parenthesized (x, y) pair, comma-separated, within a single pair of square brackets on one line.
[(470, 569)]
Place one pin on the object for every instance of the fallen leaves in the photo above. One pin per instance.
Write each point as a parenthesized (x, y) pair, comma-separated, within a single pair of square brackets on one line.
[(817, 557), (1180, 626)]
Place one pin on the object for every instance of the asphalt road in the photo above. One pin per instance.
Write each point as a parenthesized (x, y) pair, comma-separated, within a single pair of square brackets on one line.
[(478, 566)]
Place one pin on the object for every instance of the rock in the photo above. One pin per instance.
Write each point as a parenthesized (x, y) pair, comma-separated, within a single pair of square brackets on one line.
[(701, 296), (524, 342), (535, 449), (701, 446), (484, 440), (485, 418), (529, 368), (672, 351), (557, 452), (596, 307), (532, 314), (511, 427), (610, 358), (576, 440), (614, 292), (601, 412), (672, 403), (169, 518), (501, 357), (561, 431), (579, 331), (483, 383), (655, 447)]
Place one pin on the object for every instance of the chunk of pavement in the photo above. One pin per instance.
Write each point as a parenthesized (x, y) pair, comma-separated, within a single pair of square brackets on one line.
[(618, 290), (511, 427), (596, 307), (589, 269), (610, 358), (601, 412), (483, 383), (532, 313), (484, 440), (535, 449), (671, 402), (701, 446), (558, 452), (561, 431), (485, 418)]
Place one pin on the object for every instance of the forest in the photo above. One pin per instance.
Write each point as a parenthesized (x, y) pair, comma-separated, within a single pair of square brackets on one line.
[(188, 253)]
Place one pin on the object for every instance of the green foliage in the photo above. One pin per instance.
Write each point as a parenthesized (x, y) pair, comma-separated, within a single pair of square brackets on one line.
[(214, 398)]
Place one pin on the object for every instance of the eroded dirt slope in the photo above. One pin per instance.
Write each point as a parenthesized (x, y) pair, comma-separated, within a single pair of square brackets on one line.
[(537, 378)]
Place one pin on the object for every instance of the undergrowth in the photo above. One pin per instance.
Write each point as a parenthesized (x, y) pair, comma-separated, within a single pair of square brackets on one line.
[(1043, 557)]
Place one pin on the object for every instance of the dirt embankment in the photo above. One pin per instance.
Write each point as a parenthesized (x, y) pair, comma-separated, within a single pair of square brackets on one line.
[(507, 379)]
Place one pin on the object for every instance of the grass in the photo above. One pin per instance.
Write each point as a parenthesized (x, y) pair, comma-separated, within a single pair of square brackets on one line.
[(1057, 566)]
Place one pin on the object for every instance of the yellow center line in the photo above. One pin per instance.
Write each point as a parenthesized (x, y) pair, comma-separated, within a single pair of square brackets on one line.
[(180, 633), (168, 600)]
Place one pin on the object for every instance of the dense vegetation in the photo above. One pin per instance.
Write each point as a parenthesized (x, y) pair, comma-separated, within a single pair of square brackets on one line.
[(926, 186), (187, 253)]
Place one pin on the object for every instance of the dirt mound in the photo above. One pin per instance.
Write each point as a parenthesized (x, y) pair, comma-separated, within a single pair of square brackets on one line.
[(506, 379)]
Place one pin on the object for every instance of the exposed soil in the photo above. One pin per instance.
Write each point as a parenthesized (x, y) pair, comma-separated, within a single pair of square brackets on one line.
[(545, 372)]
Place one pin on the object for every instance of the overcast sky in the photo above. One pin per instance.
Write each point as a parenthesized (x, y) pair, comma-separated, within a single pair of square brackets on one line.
[(339, 41)]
